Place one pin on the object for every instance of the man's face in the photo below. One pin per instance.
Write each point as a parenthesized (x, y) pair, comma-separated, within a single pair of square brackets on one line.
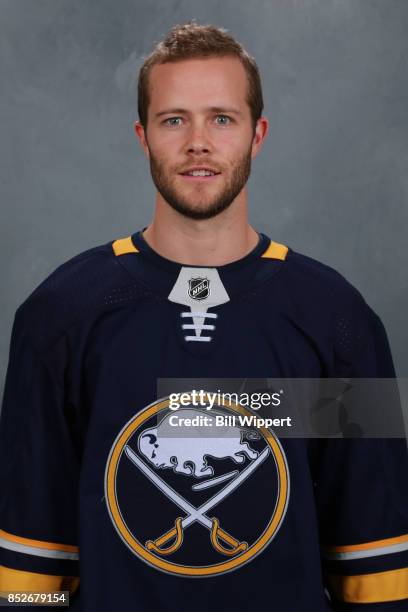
[(199, 120)]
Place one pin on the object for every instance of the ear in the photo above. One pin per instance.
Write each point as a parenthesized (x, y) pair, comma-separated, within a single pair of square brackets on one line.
[(261, 130), (140, 133)]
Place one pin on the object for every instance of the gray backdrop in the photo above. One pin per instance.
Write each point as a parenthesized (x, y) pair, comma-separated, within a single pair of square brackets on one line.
[(331, 181)]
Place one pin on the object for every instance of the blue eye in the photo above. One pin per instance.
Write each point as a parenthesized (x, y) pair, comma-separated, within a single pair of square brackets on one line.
[(224, 117), (170, 120)]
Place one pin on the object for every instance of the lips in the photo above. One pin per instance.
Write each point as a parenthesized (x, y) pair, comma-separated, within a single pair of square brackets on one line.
[(188, 171), (202, 178)]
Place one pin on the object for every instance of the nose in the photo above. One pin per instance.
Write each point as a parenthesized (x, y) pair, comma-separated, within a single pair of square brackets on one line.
[(198, 139)]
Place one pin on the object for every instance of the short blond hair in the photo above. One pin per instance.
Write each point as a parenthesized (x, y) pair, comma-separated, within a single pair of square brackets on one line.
[(191, 40)]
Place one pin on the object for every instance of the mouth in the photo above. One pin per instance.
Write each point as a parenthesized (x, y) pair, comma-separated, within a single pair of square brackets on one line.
[(200, 174)]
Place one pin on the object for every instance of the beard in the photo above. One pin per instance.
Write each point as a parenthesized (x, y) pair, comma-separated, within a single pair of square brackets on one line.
[(210, 206)]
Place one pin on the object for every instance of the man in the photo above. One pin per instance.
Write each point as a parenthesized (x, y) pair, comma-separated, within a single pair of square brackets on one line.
[(96, 492)]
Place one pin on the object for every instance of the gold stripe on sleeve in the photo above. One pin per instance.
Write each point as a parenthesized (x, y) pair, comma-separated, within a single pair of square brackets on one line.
[(37, 543), (371, 588), (368, 545), (18, 580)]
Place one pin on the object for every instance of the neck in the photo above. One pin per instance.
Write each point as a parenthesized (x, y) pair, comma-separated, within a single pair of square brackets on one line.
[(205, 242)]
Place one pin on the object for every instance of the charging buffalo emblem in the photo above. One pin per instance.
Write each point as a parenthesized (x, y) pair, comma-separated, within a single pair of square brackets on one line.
[(192, 501)]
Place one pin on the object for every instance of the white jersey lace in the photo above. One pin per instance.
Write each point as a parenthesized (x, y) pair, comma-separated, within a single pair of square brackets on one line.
[(198, 326)]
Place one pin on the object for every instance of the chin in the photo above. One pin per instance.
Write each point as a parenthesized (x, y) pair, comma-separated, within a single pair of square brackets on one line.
[(191, 205)]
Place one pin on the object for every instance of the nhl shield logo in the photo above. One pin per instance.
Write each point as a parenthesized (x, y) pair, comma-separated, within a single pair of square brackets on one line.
[(205, 509), (198, 288)]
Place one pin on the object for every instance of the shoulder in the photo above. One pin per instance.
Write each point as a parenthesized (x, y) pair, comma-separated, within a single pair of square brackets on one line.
[(322, 300), (318, 283), (81, 285)]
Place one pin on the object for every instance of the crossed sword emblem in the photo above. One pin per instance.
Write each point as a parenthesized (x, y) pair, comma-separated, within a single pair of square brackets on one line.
[(217, 534)]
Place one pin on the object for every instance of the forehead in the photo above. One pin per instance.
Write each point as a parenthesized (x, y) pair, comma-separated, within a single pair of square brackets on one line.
[(214, 81)]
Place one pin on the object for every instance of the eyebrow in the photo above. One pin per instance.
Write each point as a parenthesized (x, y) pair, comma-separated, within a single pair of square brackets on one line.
[(213, 109)]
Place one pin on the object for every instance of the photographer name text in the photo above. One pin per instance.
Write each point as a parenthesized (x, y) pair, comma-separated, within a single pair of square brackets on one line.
[(177, 420)]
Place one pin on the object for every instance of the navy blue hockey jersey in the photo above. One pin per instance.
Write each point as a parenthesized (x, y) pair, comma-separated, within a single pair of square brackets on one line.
[(96, 500)]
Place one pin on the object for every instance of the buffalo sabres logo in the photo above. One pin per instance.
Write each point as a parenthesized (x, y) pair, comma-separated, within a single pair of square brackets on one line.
[(199, 501), (198, 288)]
